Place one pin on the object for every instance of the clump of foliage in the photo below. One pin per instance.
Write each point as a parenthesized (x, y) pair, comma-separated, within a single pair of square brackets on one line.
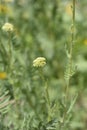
[(43, 65)]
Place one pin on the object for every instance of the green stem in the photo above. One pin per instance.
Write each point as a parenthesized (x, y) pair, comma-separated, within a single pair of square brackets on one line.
[(9, 52), (70, 59), (46, 93), (71, 46)]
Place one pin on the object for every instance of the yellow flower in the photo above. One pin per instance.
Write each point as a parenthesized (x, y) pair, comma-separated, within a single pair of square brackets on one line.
[(68, 9), (39, 62), (3, 75), (85, 41), (8, 27), (3, 9), (6, 10)]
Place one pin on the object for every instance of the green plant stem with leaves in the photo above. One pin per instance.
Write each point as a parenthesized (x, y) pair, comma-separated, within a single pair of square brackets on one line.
[(70, 70), (70, 58), (46, 93), (9, 51)]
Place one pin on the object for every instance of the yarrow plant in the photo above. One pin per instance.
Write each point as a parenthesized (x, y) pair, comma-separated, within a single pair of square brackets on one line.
[(39, 62), (8, 27), (48, 103)]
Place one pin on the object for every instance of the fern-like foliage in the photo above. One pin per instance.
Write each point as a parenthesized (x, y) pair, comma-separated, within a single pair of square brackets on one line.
[(69, 70), (5, 102)]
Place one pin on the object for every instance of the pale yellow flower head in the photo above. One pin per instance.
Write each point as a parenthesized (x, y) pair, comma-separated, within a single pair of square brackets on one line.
[(7, 27), (39, 62)]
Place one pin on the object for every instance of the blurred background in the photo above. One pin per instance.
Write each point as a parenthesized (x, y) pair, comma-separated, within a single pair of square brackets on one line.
[(43, 28)]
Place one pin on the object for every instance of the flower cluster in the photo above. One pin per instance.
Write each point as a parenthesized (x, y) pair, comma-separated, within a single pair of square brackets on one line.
[(7, 27), (39, 62)]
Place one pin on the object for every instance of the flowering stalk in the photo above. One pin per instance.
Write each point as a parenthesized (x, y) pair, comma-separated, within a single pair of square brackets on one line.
[(71, 47), (9, 28), (69, 71), (39, 63), (9, 52)]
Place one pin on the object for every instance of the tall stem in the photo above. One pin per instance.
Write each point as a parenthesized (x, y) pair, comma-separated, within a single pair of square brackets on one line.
[(70, 64), (9, 52), (71, 46)]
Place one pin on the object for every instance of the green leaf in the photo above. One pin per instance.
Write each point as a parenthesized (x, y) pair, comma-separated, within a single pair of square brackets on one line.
[(72, 104)]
